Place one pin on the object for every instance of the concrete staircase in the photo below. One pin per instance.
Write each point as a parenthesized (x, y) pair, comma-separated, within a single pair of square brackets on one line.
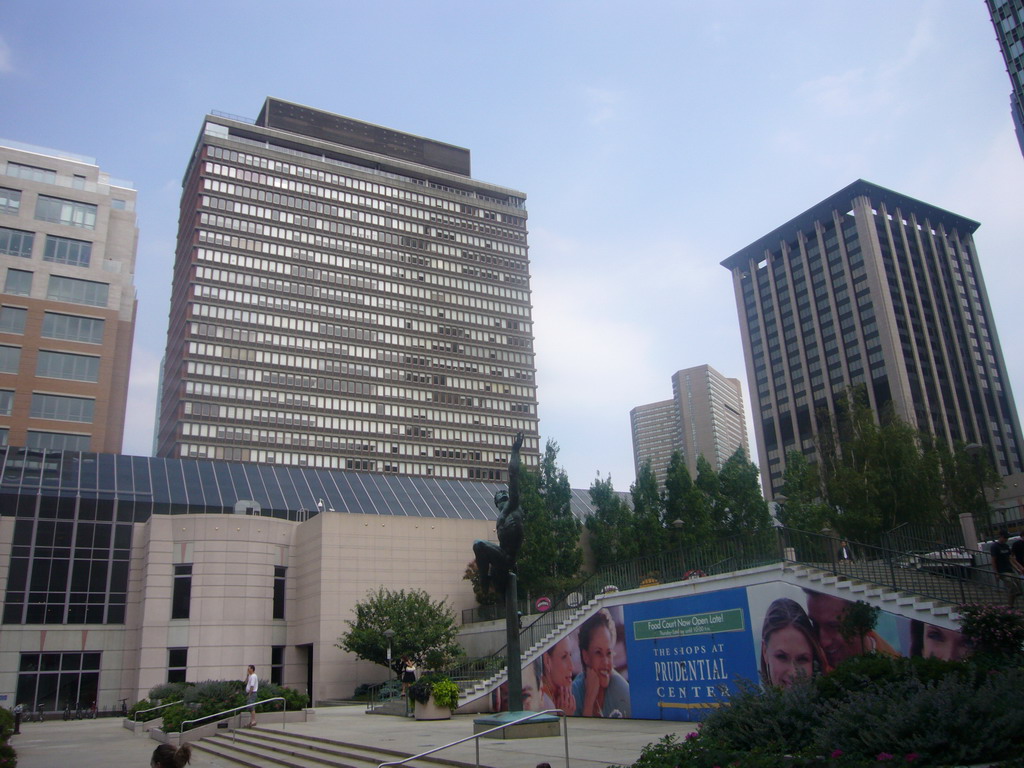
[(473, 690), (908, 589), (266, 748)]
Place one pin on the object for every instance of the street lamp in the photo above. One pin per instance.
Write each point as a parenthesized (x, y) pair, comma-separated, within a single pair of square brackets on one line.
[(389, 633)]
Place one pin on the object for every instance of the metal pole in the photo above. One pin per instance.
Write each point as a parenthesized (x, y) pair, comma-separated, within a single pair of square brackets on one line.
[(565, 730), (515, 669)]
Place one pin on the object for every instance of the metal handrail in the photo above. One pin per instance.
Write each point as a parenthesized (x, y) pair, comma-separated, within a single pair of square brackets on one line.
[(181, 730), (948, 580), (135, 716), (476, 736)]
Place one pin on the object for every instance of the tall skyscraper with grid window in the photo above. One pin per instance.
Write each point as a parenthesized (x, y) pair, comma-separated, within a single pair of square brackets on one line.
[(67, 251), (1008, 20), (872, 288), (347, 296)]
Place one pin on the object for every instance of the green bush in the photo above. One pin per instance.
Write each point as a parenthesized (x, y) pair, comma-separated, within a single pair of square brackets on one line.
[(8, 757), (293, 698), (914, 711), (166, 692), (956, 720), (874, 669), (446, 694), (6, 724), (174, 716), (211, 697), (140, 705), (777, 719)]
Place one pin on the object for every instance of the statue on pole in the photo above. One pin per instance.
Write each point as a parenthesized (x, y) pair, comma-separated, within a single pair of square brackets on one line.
[(497, 567), (497, 561)]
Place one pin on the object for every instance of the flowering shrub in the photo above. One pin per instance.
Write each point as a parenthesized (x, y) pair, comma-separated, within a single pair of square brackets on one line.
[(994, 629), (904, 712)]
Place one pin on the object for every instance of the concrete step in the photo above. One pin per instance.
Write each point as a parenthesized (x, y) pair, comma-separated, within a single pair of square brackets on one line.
[(259, 747)]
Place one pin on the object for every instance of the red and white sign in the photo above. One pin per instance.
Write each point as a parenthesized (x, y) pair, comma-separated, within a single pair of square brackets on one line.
[(543, 604)]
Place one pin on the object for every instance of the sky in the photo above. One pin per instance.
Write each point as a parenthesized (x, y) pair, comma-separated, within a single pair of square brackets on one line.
[(653, 140)]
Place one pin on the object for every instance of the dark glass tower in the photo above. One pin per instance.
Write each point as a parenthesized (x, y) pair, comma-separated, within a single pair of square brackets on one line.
[(1008, 20), (873, 288)]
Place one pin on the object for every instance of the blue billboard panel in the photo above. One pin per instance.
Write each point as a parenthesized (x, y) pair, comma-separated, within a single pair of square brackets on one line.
[(686, 654)]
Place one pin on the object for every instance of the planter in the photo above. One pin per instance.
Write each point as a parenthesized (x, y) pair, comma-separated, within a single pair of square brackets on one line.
[(431, 711)]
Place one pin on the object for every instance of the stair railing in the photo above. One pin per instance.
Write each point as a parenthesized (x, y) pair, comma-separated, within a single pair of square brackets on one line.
[(948, 575), (228, 712), (135, 716), (478, 736)]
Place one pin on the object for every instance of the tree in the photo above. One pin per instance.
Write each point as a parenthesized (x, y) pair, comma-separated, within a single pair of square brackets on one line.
[(472, 575), (648, 527), (879, 473), (684, 502), (551, 557), (424, 630), (803, 507), (746, 511), (610, 526)]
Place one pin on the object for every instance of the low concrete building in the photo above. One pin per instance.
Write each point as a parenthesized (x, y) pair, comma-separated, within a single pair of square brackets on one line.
[(123, 572)]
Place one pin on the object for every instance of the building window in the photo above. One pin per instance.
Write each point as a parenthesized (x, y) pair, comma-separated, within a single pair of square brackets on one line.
[(10, 359), (77, 291), (31, 173), (177, 664), (62, 408), (18, 283), (64, 365), (4, 432), (12, 319), (16, 242), (181, 598), (70, 212), (277, 664), (6, 401), (279, 574), (10, 200), (51, 681), (67, 567), (72, 328), (64, 250), (56, 441)]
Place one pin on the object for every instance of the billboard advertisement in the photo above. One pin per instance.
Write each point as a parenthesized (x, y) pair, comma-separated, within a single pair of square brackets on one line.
[(680, 658)]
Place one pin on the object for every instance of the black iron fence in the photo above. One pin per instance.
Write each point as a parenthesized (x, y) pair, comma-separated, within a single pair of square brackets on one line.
[(950, 574)]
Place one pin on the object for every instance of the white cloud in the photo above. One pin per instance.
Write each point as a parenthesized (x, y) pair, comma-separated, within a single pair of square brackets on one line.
[(6, 57)]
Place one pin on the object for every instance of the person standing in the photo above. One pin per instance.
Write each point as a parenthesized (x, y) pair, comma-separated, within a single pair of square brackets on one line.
[(408, 674), (1007, 569), (1017, 550), (252, 685)]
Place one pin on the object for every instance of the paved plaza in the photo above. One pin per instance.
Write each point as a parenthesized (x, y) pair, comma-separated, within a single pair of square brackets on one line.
[(593, 743)]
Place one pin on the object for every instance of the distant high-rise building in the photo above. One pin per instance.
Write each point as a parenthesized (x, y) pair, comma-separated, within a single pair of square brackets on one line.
[(704, 418), (67, 247), (1008, 20), (347, 296), (876, 289), (656, 436)]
